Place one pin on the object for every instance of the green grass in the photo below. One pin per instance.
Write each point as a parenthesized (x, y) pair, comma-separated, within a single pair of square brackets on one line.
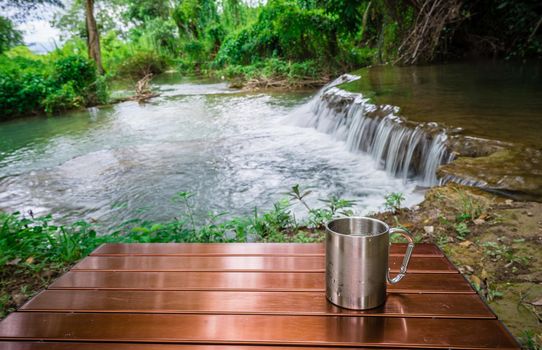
[(35, 250)]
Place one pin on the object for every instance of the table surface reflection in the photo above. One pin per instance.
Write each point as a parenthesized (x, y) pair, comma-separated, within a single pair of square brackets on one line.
[(245, 296)]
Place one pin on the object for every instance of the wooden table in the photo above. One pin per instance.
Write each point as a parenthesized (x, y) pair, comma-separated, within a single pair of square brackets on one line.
[(245, 296)]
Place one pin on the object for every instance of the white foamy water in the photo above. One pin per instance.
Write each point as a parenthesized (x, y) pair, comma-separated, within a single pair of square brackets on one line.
[(233, 151)]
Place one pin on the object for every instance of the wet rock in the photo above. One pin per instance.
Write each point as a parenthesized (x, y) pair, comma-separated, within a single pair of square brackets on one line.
[(468, 146), (515, 172)]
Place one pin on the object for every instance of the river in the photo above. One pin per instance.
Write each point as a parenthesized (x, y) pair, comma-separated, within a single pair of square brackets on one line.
[(488, 99), (234, 151)]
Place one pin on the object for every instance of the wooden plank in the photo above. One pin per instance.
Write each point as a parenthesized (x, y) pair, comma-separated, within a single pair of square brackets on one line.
[(248, 281), (29, 345), (218, 249), (281, 303), (244, 263), (258, 329)]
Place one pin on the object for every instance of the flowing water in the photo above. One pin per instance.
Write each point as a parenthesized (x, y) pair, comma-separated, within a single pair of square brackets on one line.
[(234, 151), (406, 151)]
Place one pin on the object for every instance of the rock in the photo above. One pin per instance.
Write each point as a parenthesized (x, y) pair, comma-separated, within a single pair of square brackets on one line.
[(508, 202), (429, 229), (478, 221), (514, 172), (529, 213), (537, 302), (469, 268)]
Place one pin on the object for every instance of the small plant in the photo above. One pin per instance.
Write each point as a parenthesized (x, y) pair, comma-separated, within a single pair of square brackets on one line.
[(470, 207), (530, 340), (441, 240), (393, 201), (339, 206), (497, 251), (317, 217), (484, 289), (462, 230), (184, 198), (298, 194)]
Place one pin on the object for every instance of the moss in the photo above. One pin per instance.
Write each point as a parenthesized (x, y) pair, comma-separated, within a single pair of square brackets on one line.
[(515, 171)]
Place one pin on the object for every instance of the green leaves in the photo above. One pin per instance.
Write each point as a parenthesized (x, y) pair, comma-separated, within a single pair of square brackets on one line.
[(393, 201), (36, 242), (53, 83)]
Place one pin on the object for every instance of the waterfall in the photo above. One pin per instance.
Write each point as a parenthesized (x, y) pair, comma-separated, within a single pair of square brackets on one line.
[(404, 149)]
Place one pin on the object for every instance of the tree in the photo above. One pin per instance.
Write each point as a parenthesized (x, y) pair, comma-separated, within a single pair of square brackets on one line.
[(27, 7), (9, 36), (93, 37)]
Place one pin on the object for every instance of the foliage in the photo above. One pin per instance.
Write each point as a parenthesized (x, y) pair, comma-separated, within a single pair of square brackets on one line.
[(530, 340), (275, 69), (25, 238), (497, 251), (62, 99), (9, 36), (318, 216), (138, 11), (462, 230), (469, 206), (311, 34), (57, 82), (393, 201), (141, 64), (290, 43)]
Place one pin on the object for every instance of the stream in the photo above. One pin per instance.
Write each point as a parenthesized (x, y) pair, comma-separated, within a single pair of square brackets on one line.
[(234, 151), (237, 151)]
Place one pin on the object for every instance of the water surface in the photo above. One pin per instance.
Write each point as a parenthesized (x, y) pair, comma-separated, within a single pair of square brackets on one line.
[(234, 151), (494, 100)]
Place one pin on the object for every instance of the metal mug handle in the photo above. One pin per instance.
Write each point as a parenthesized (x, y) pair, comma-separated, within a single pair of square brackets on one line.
[(406, 259)]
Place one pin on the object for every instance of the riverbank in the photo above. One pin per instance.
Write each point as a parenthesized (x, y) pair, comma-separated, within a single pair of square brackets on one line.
[(494, 241)]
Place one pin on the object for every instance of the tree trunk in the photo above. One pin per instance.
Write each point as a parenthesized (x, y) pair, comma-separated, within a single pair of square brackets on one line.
[(93, 38)]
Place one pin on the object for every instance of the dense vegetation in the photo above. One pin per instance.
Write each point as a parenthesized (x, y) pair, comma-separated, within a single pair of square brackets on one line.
[(277, 43)]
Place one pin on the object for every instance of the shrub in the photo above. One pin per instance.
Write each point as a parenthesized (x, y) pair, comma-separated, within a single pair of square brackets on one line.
[(63, 99), (9, 36), (56, 82), (310, 34), (141, 64)]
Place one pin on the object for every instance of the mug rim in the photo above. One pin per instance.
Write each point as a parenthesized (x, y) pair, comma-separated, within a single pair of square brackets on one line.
[(386, 226)]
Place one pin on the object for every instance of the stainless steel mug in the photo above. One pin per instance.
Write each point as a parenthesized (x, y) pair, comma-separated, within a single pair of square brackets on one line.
[(357, 250)]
